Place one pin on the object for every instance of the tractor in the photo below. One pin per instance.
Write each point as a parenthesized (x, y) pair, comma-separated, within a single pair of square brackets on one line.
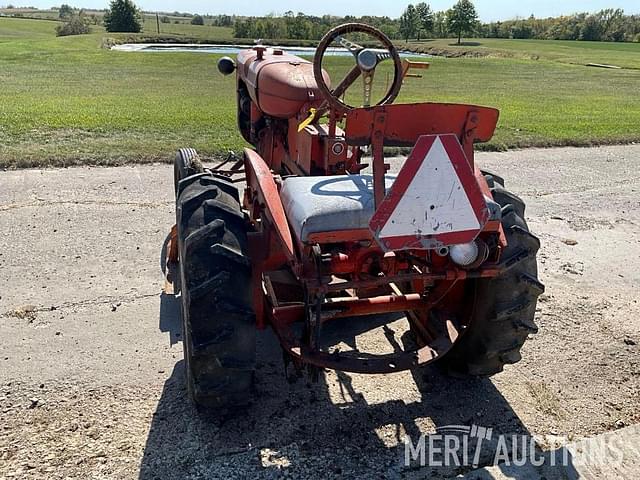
[(313, 225)]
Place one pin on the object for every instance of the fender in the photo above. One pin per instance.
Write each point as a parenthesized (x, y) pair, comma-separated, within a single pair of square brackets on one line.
[(265, 197)]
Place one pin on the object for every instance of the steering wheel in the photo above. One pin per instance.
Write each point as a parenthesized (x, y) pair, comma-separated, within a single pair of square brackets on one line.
[(367, 59)]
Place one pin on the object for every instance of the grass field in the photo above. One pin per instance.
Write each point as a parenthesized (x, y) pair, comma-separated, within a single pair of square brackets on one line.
[(67, 100), (626, 55), (184, 28)]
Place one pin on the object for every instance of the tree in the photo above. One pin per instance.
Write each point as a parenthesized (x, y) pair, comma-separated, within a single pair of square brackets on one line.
[(440, 24), (409, 23), (65, 11), (591, 29), (274, 28), (298, 26), (425, 18), (611, 21), (223, 21), (462, 18), (123, 16), (197, 20), (242, 28), (76, 25), (521, 29)]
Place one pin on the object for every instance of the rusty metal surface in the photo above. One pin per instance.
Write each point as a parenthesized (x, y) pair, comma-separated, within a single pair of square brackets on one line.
[(379, 168), (449, 275), (170, 267), (340, 236), (353, 307), (279, 88), (260, 181), (408, 65), (362, 362), (278, 82), (405, 123)]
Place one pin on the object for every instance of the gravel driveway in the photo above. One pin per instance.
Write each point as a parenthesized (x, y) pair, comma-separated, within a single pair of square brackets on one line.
[(91, 371)]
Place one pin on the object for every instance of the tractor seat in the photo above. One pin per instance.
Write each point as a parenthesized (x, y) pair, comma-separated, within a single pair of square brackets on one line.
[(330, 203)]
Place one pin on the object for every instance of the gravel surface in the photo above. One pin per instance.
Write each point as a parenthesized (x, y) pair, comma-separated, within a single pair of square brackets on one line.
[(91, 377)]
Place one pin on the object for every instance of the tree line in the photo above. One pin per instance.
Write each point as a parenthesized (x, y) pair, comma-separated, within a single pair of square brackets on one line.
[(416, 22), (609, 25), (421, 21), (300, 26)]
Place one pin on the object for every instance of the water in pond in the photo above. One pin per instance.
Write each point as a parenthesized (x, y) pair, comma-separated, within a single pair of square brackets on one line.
[(231, 49)]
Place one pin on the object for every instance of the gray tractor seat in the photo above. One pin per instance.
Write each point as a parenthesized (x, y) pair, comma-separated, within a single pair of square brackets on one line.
[(329, 204)]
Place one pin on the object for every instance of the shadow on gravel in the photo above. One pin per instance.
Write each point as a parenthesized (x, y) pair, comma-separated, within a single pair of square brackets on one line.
[(297, 430), (169, 321), (170, 317)]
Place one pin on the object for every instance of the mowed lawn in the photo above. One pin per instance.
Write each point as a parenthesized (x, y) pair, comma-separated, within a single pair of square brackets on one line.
[(68, 100), (626, 55), (185, 29)]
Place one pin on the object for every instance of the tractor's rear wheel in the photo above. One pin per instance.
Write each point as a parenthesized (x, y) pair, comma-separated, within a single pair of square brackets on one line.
[(215, 275), (505, 306)]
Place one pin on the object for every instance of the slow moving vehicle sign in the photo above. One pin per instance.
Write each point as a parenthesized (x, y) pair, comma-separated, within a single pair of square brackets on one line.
[(435, 201)]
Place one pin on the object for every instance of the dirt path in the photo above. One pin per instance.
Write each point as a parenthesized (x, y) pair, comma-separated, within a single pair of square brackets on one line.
[(91, 382)]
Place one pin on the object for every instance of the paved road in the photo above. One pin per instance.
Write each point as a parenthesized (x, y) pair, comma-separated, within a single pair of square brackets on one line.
[(91, 360)]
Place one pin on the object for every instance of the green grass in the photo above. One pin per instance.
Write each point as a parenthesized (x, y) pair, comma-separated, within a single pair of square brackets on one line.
[(66, 100), (626, 55), (14, 29), (185, 29)]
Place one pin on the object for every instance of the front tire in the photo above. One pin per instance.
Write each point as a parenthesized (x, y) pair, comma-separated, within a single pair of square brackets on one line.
[(186, 164), (215, 274)]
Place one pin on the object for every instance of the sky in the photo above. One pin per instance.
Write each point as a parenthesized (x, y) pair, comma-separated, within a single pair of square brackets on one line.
[(488, 10)]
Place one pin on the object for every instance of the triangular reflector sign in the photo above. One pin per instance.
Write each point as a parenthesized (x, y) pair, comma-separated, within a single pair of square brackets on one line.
[(435, 200)]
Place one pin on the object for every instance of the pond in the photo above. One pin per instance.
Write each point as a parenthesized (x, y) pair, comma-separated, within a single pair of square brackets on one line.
[(232, 49)]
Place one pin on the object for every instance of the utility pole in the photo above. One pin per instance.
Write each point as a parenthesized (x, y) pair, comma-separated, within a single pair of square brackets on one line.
[(158, 22)]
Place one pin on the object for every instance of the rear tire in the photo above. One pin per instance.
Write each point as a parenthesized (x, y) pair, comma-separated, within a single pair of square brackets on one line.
[(505, 306), (215, 275)]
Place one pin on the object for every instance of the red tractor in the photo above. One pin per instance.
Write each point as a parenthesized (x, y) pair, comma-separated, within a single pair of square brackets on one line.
[(325, 232)]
